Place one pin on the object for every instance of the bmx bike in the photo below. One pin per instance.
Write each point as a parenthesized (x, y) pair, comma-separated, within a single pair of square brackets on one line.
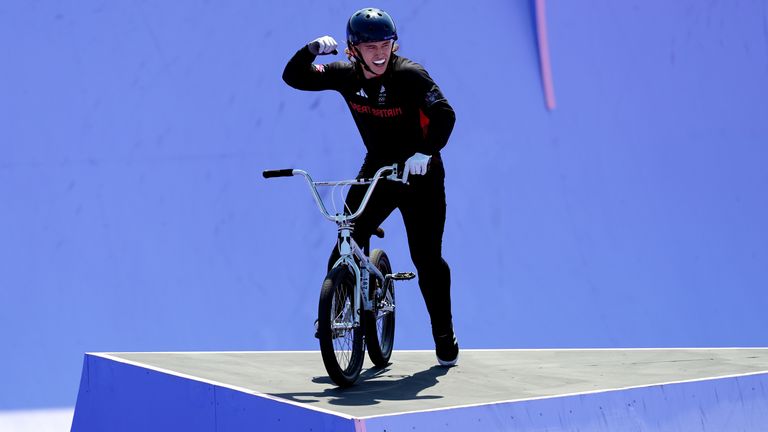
[(357, 298)]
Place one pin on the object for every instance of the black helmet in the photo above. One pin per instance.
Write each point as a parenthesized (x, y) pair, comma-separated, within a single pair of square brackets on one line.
[(370, 25)]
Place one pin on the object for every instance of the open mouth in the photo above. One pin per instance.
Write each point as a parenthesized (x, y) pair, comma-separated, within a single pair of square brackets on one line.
[(379, 62)]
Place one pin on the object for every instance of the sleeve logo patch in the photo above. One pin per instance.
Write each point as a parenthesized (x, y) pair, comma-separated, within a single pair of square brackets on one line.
[(319, 67), (433, 96)]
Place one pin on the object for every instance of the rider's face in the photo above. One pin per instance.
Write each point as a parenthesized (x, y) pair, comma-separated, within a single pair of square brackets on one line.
[(376, 55)]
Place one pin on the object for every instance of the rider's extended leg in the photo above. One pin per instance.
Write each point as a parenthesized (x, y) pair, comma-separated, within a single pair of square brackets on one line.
[(423, 209)]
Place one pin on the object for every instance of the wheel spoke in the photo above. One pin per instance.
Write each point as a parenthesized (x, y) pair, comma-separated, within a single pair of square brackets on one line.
[(341, 327)]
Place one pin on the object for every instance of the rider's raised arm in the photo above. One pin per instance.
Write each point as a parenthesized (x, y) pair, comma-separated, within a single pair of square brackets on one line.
[(439, 116), (300, 73)]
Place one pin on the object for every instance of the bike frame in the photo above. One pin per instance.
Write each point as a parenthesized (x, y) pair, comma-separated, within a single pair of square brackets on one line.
[(348, 248)]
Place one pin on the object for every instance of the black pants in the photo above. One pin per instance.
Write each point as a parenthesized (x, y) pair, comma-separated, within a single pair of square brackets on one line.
[(422, 205)]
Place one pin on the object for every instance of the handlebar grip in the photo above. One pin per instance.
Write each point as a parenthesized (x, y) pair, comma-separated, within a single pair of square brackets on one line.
[(278, 173)]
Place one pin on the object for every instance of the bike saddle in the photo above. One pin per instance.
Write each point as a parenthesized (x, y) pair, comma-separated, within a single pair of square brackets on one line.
[(379, 232)]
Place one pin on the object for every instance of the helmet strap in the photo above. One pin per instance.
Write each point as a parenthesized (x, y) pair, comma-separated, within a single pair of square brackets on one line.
[(359, 58)]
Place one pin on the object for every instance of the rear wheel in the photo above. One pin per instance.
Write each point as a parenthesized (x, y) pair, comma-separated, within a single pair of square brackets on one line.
[(380, 322), (341, 342)]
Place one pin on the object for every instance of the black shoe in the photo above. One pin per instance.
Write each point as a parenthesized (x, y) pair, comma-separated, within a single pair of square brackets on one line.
[(447, 349)]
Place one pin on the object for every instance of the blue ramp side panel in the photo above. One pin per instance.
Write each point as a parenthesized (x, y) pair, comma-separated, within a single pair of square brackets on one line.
[(724, 404), (118, 397)]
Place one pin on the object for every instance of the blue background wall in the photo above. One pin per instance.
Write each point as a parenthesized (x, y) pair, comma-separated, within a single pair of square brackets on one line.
[(133, 215)]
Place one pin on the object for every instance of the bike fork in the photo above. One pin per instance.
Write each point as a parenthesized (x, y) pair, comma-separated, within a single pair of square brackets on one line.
[(346, 252)]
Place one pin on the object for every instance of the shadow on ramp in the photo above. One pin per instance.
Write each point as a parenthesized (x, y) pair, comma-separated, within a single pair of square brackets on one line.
[(375, 385)]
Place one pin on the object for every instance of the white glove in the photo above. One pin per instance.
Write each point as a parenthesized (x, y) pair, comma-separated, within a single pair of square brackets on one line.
[(416, 164), (323, 45)]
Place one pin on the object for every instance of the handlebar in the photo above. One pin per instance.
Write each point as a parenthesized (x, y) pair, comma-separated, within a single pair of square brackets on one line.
[(392, 169), (278, 173)]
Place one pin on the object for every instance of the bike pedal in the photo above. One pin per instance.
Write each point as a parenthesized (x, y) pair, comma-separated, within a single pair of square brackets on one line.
[(402, 276)]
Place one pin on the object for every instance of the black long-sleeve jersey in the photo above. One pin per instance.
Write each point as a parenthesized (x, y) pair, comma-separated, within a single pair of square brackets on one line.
[(398, 114)]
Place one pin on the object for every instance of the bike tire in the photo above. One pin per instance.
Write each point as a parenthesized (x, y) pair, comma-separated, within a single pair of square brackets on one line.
[(380, 322), (342, 349)]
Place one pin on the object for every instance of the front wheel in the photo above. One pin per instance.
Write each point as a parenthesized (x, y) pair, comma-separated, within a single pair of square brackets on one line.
[(341, 342), (380, 322)]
